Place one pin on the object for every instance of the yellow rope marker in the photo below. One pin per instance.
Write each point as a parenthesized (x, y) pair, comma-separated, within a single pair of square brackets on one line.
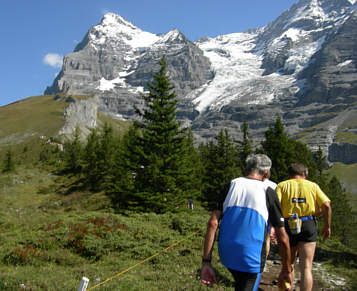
[(143, 261)]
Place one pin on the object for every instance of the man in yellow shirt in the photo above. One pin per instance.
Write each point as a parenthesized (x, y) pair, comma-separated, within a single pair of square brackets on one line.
[(304, 198)]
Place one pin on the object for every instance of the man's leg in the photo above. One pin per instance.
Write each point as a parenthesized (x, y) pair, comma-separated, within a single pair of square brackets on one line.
[(244, 281), (306, 256), (293, 253)]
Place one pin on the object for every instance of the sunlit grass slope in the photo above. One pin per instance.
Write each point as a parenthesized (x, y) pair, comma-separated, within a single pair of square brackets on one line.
[(33, 116), (23, 122)]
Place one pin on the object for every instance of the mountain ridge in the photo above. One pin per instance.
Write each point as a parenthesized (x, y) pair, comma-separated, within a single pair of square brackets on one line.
[(253, 76)]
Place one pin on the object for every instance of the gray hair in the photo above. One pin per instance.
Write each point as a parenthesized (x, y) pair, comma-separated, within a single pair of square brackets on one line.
[(298, 169), (259, 163)]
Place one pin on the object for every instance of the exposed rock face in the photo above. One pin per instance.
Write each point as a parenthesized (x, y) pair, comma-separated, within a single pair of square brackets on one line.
[(81, 114), (332, 75), (302, 66), (345, 153)]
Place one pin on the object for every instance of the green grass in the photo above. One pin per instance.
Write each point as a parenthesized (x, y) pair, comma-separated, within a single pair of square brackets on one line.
[(26, 120), (52, 234), (346, 137), (33, 116), (23, 122), (119, 126), (347, 174)]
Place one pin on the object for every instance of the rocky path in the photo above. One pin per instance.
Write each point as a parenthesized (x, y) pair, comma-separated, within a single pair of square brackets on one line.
[(322, 280)]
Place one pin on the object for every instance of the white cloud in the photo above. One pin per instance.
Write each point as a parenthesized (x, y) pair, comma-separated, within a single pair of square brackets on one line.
[(53, 60)]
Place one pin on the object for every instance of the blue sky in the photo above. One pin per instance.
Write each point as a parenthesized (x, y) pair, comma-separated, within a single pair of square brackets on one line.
[(36, 34)]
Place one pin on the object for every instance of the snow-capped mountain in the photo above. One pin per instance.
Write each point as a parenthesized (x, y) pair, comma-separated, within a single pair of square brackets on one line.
[(302, 66)]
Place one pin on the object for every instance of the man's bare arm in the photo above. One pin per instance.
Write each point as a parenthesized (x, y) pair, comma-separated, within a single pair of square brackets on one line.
[(208, 276), (284, 250), (327, 214), (212, 226)]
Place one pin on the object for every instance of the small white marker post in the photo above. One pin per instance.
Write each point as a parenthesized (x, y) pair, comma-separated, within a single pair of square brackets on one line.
[(84, 284)]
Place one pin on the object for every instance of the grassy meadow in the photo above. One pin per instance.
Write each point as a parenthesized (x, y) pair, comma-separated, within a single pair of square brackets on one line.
[(52, 234)]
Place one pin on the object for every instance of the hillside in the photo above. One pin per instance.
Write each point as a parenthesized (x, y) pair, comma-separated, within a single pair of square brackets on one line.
[(23, 123), (50, 230)]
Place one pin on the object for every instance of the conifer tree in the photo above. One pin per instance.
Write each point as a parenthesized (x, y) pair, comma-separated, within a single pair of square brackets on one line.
[(190, 178), (99, 158), (73, 154), (221, 165), (283, 151), (245, 148), (121, 188), (90, 159), (160, 149), (9, 164), (277, 146), (106, 156), (320, 161), (343, 219)]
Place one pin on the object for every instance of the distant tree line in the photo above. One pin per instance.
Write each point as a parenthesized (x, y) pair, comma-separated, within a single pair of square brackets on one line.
[(155, 165)]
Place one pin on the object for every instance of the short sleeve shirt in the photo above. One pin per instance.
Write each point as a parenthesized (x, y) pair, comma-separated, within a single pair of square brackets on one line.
[(300, 196), (246, 210)]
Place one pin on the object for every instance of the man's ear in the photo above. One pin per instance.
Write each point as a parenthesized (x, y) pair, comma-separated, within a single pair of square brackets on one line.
[(266, 175)]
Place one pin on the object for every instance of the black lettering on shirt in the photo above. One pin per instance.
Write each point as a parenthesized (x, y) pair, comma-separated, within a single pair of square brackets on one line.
[(298, 200)]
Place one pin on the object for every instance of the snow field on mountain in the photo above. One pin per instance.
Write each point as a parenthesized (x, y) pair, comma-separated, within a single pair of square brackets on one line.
[(238, 74)]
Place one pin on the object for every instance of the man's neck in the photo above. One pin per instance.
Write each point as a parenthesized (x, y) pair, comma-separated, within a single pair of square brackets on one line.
[(255, 176), (298, 177)]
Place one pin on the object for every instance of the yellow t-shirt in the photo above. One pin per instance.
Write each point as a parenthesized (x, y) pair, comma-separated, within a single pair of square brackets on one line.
[(300, 196)]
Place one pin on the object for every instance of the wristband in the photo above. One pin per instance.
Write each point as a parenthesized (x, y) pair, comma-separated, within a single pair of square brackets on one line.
[(206, 260)]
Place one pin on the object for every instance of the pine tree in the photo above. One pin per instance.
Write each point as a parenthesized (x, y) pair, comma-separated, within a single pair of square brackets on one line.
[(90, 159), (9, 164), (160, 149), (277, 146), (343, 219), (121, 187), (245, 148), (73, 154), (320, 161), (221, 165), (283, 151), (106, 156), (190, 178)]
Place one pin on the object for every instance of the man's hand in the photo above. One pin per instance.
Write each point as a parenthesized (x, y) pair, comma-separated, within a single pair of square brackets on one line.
[(285, 280), (326, 232), (327, 213), (208, 277)]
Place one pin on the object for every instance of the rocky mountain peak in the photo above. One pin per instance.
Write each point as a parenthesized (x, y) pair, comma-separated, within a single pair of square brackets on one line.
[(112, 19), (114, 28), (300, 66), (174, 36)]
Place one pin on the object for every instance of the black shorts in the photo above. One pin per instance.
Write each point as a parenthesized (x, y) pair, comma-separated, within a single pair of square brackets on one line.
[(244, 281), (308, 232)]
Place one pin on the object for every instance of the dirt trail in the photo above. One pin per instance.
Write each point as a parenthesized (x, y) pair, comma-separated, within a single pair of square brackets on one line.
[(270, 275)]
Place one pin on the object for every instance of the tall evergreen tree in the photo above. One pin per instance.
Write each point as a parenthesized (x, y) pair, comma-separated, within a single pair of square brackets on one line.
[(277, 146), (343, 219), (161, 147), (221, 165), (73, 154), (126, 164), (245, 147), (99, 158), (320, 161), (90, 159), (9, 164), (284, 151)]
